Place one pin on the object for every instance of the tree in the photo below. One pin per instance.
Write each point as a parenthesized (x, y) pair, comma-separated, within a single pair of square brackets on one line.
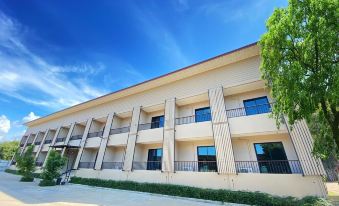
[(51, 171), (300, 63), (26, 164), (8, 149)]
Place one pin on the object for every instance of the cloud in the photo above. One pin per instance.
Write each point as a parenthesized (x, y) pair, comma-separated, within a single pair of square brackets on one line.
[(31, 79), (30, 117), (5, 125)]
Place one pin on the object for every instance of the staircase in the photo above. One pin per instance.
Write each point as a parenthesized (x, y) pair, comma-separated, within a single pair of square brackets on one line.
[(66, 176)]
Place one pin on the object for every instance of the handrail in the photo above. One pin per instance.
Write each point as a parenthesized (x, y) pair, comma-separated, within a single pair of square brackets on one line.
[(37, 143), (60, 139), (251, 110), (149, 165), (195, 166), (152, 125), (119, 130), (95, 134), (193, 119), (76, 137), (112, 165), (48, 141), (269, 166), (86, 164)]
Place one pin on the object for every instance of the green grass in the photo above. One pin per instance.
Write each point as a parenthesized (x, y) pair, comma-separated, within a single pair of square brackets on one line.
[(15, 172), (242, 197)]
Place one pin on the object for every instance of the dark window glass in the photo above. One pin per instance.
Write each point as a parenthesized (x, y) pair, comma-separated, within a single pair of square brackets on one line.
[(203, 114), (207, 158), (154, 159), (157, 122), (272, 158), (257, 106)]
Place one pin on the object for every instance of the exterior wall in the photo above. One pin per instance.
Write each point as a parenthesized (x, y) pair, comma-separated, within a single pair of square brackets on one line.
[(141, 151), (114, 154), (187, 150)]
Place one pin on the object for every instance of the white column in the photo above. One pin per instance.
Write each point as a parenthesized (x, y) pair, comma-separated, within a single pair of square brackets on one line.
[(82, 143), (69, 134), (24, 147), (52, 143), (132, 137), (169, 140), (41, 144)]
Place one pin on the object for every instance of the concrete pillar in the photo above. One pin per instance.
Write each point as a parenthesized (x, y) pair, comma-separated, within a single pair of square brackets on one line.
[(24, 147), (36, 136), (169, 140), (221, 132), (42, 144), (52, 143), (104, 140), (132, 137), (69, 134), (82, 143)]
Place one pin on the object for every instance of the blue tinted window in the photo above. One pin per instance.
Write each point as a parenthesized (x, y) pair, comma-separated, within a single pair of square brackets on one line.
[(203, 114), (157, 122), (257, 106)]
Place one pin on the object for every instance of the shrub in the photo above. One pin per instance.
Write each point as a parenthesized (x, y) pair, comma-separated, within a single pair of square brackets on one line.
[(15, 172), (242, 197), (54, 164), (26, 164)]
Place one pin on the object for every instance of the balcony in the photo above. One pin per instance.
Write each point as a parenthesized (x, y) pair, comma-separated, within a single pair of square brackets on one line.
[(95, 134), (119, 130), (39, 164), (48, 141), (150, 132), (86, 165), (112, 165), (60, 139), (196, 166), (94, 139), (37, 143), (76, 137), (118, 136), (149, 165), (269, 167)]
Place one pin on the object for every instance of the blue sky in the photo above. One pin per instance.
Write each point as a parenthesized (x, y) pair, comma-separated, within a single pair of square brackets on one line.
[(54, 54)]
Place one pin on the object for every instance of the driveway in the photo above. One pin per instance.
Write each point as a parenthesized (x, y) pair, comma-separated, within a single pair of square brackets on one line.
[(13, 193)]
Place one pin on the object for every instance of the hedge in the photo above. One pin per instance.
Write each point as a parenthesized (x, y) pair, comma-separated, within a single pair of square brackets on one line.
[(15, 172), (242, 197)]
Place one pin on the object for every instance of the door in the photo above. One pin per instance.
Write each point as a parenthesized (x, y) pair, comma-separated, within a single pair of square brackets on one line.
[(154, 159)]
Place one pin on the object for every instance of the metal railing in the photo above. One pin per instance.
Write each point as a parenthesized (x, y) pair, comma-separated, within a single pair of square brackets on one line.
[(252, 110), (88, 165), (48, 141), (22, 144), (196, 166), (39, 164), (193, 119), (37, 143), (60, 139), (95, 134), (152, 125), (270, 167), (149, 165), (119, 130), (76, 137), (112, 165)]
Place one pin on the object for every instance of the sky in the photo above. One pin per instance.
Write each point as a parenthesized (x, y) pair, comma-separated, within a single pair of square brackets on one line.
[(58, 53)]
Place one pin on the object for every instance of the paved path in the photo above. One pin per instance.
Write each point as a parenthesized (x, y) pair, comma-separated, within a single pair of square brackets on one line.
[(14, 193)]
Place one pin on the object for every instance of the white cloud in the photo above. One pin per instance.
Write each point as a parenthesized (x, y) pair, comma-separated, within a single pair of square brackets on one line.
[(30, 117), (30, 78), (5, 125)]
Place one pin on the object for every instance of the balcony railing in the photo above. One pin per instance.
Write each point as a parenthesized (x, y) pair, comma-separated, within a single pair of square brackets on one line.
[(193, 119), (60, 139), (152, 125), (76, 137), (271, 167), (95, 134), (196, 166), (29, 143), (252, 110), (39, 164), (48, 141), (150, 165), (88, 165), (112, 165), (37, 143), (119, 130), (22, 144)]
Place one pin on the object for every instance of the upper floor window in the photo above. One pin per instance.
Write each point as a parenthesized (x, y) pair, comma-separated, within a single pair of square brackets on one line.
[(257, 106), (203, 114), (157, 122)]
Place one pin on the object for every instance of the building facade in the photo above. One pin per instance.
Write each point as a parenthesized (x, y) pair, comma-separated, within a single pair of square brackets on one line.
[(207, 125)]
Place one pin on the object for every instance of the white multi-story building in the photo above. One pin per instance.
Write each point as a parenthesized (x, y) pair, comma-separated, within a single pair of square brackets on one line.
[(207, 125)]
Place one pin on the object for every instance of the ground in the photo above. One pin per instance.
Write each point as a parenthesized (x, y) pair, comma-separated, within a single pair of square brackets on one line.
[(15, 193), (333, 192)]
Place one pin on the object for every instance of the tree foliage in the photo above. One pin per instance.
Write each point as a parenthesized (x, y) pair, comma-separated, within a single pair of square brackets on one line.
[(300, 63), (26, 164), (54, 164), (8, 149)]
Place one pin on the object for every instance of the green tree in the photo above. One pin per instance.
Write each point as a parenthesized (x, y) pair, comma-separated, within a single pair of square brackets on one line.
[(8, 149), (51, 171), (300, 63), (26, 164)]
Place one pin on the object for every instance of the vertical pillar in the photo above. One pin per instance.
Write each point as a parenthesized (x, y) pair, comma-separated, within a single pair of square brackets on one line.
[(69, 134), (24, 147), (41, 144), (36, 136), (52, 143), (221, 132), (303, 144), (103, 144), (169, 137), (82, 143), (132, 137)]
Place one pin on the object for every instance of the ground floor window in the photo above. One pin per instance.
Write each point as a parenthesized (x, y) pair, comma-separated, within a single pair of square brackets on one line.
[(207, 160), (154, 159)]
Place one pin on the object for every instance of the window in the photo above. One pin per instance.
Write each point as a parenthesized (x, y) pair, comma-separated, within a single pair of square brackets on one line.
[(203, 114), (154, 159), (257, 106), (272, 158), (157, 122), (207, 159)]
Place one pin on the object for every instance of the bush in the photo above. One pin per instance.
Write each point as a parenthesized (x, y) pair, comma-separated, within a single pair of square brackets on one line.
[(26, 164), (15, 172), (54, 164), (242, 197)]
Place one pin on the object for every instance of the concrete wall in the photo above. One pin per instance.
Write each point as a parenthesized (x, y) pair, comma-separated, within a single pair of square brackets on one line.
[(114, 154)]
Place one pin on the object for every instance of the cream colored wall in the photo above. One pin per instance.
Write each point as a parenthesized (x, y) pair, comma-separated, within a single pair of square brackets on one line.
[(235, 74), (50, 135), (188, 150), (96, 126), (141, 151), (146, 117), (41, 157), (118, 139), (78, 130), (114, 154), (237, 101), (196, 131), (120, 122), (189, 110), (40, 137), (63, 132), (150, 136), (89, 155)]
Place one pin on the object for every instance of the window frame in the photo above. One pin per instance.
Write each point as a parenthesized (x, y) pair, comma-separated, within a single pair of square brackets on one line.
[(249, 109), (206, 117)]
